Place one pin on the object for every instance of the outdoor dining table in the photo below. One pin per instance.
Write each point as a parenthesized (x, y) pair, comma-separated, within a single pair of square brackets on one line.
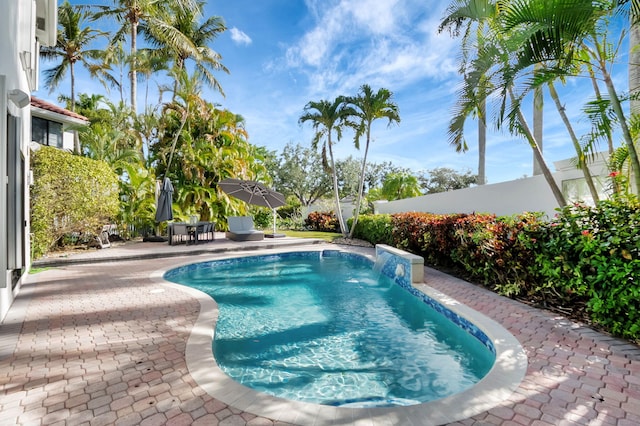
[(194, 231)]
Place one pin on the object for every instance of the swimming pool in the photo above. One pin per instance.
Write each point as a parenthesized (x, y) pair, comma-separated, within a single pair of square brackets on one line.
[(496, 386)]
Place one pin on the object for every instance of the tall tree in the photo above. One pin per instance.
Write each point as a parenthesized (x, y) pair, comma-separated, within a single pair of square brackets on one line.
[(182, 38), (401, 185), (369, 107), (71, 47), (326, 118), (492, 72), (558, 32), (470, 17), (442, 179), (129, 14), (299, 173)]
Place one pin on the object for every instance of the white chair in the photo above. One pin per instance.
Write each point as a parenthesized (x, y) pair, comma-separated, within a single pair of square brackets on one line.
[(241, 229)]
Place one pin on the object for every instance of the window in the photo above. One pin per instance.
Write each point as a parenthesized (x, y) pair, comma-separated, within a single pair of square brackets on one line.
[(46, 132)]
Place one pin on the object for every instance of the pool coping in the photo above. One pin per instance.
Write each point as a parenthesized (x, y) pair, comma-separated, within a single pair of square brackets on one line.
[(502, 380)]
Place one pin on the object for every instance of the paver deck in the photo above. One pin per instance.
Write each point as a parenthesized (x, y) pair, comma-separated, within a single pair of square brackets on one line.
[(96, 341)]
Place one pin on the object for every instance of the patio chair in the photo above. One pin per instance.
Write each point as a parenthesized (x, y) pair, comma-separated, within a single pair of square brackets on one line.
[(178, 230), (206, 231), (241, 229), (210, 230)]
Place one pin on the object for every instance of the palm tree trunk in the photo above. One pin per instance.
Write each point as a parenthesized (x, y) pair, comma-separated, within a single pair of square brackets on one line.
[(598, 55), (538, 120), (617, 107), (634, 65), (582, 164), (596, 90), (361, 185), (343, 226), (557, 193), (133, 66), (76, 137), (482, 141)]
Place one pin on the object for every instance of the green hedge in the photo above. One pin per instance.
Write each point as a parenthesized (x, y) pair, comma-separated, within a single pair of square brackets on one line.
[(592, 255), (70, 194), (585, 262)]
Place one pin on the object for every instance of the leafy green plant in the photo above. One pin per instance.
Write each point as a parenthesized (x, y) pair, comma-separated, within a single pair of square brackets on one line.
[(591, 256), (495, 251), (376, 229), (429, 235), (70, 194)]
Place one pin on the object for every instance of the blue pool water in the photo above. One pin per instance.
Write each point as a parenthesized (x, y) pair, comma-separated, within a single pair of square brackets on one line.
[(332, 330)]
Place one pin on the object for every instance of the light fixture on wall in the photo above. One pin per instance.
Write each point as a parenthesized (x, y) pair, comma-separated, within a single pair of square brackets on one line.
[(20, 98)]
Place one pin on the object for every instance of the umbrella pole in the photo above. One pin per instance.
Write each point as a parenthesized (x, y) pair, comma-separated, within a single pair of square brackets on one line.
[(274, 221)]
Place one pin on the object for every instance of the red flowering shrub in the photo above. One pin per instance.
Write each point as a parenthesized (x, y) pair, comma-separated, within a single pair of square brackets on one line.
[(496, 251), (322, 221), (428, 235)]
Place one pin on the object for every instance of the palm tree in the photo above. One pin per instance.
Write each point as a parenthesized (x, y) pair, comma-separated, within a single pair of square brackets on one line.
[(470, 14), (71, 48), (557, 33), (103, 142), (538, 125), (328, 117), (368, 107), (181, 38), (492, 72), (397, 186), (634, 53), (149, 62), (582, 161), (130, 14)]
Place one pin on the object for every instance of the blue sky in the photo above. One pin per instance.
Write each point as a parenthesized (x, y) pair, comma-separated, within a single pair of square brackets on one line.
[(284, 53)]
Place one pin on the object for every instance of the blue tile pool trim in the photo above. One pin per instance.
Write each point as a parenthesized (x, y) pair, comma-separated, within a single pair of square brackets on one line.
[(388, 269)]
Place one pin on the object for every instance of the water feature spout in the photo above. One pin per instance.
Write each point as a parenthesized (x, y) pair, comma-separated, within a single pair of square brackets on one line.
[(404, 266)]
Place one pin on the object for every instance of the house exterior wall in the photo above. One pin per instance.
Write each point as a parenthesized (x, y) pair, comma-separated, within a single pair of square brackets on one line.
[(18, 78)]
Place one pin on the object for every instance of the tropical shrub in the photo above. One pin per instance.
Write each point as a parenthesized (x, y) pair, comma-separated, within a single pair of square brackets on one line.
[(322, 221), (431, 236), (137, 201), (584, 263), (263, 218), (591, 256), (496, 251), (71, 194), (377, 229)]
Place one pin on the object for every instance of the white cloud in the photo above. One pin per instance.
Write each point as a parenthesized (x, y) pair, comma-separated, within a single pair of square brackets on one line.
[(378, 17), (391, 44), (239, 37)]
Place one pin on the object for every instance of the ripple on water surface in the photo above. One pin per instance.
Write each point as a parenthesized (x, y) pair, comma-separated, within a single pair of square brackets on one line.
[(332, 331)]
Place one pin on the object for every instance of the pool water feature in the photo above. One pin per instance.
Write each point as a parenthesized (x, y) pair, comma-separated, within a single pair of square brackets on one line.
[(323, 327)]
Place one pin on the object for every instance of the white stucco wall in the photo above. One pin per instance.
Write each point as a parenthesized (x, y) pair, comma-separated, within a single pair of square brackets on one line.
[(507, 198), (18, 78)]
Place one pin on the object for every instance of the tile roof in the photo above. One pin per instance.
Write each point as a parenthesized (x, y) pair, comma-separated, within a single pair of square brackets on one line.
[(39, 103)]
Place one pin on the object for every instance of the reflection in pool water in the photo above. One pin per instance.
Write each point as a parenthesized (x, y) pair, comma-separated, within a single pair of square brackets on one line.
[(333, 330)]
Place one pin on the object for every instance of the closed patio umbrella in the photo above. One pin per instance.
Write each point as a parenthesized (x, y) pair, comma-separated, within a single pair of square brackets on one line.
[(164, 208), (254, 193)]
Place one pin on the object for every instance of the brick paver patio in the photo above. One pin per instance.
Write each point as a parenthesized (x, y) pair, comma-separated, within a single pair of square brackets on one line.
[(101, 343)]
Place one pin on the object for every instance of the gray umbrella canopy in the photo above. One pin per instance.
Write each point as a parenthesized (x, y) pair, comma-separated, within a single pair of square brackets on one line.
[(252, 192), (164, 209)]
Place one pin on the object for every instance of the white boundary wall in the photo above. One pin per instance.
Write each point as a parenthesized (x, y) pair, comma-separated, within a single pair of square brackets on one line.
[(530, 194)]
